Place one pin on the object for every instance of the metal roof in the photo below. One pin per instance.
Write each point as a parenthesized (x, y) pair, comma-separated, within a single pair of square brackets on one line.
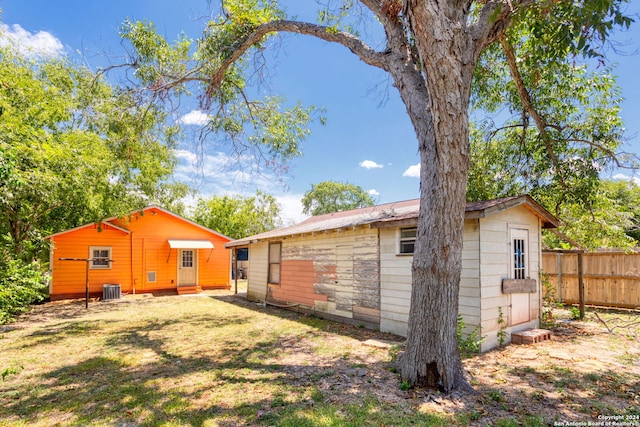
[(393, 214)]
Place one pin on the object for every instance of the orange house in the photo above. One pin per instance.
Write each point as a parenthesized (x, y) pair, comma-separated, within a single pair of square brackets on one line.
[(150, 250)]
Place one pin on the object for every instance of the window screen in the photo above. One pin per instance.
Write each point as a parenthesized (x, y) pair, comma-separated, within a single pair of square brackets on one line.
[(408, 240), (100, 257)]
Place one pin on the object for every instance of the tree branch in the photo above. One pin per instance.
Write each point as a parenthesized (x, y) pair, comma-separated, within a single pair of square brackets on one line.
[(540, 121), (493, 20), (351, 42)]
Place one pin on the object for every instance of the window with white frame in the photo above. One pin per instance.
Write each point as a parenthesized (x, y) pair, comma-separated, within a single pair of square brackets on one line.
[(100, 257), (407, 240), (519, 253), (275, 256)]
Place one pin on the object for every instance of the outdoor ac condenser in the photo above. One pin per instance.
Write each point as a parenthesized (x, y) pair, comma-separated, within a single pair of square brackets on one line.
[(111, 292)]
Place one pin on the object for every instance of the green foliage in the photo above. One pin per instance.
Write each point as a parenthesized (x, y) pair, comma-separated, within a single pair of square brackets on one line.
[(267, 127), (575, 313), (155, 53), (549, 302), (556, 148), (610, 220), (574, 28), (468, 344), (626, 196), (330, 196), (21, 284), (74, 149), (237, 216), (502, 328), (11, 370)]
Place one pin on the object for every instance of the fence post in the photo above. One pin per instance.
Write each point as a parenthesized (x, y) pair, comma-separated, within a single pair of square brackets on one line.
[(559, 255), (581, 285)]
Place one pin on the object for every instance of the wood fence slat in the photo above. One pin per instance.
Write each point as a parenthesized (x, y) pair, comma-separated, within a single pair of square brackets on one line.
[(611, 279)]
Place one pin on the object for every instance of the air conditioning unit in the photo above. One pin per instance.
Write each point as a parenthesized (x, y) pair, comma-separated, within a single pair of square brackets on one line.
[(111, 292)]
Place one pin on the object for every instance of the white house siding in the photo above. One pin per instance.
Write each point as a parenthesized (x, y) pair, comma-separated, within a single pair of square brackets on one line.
[(469, 298), (395, 281), (395, 284), (258, 271), (495, 257)]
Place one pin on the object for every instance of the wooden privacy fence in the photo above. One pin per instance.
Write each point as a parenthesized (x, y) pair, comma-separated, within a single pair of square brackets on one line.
[(611, 279)]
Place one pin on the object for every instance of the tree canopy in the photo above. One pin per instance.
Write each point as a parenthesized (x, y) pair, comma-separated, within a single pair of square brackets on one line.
[(238, 216), (555, 129), (74, 149), (331, 196)]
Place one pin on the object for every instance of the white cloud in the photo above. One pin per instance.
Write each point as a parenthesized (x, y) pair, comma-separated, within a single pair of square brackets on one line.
[(412, 171), (194, 117), (291, 208), (373, 192), (370, 164), (219, 174), (623, 177), (25, 43)]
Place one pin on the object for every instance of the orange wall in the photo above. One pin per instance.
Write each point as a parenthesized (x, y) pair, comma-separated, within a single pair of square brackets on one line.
[(148, 242), (69, 277)]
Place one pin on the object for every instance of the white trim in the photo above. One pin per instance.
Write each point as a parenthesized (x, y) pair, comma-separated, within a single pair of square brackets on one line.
[(92, 259), (190, 244), (105, 222)]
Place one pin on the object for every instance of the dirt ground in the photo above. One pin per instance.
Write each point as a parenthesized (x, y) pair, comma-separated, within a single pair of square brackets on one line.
[(583, 374)]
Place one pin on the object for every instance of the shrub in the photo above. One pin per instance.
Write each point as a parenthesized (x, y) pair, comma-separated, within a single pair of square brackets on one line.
[(21, 284), (468, 345)]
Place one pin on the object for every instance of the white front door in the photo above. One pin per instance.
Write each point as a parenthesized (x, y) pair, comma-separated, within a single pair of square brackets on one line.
[(520, 310), (187, 262)]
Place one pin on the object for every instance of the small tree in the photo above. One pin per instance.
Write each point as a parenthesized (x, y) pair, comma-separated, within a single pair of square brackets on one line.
[(331, 196)]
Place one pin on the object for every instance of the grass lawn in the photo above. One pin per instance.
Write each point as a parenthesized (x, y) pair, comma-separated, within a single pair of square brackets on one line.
[(213, 360)]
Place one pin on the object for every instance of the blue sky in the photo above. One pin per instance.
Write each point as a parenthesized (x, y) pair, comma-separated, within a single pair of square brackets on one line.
[(368, 139)]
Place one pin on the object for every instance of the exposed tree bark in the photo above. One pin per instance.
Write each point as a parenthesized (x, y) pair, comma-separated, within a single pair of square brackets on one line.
[(443, 42)]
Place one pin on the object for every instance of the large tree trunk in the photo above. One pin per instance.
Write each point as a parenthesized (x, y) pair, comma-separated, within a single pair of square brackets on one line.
[(431, 358)]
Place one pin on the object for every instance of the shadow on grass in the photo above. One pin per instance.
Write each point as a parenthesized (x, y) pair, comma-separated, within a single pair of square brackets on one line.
[(141, 380), (357, 332), (547, 394)]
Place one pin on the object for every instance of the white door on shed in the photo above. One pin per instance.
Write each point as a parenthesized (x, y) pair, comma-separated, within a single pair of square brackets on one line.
[(519, 244)]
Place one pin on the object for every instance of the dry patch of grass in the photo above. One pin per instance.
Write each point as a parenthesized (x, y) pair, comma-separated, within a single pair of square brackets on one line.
[(215, 360)]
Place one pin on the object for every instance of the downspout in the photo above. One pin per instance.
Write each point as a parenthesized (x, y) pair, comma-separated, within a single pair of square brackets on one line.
[(143, 266), (133, 280), (51, 248)]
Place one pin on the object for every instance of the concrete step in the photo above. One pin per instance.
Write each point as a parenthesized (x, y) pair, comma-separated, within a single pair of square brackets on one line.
[(184, 290)]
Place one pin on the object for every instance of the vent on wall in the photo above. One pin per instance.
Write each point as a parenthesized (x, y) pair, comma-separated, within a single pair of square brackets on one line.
[(151, 276)]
